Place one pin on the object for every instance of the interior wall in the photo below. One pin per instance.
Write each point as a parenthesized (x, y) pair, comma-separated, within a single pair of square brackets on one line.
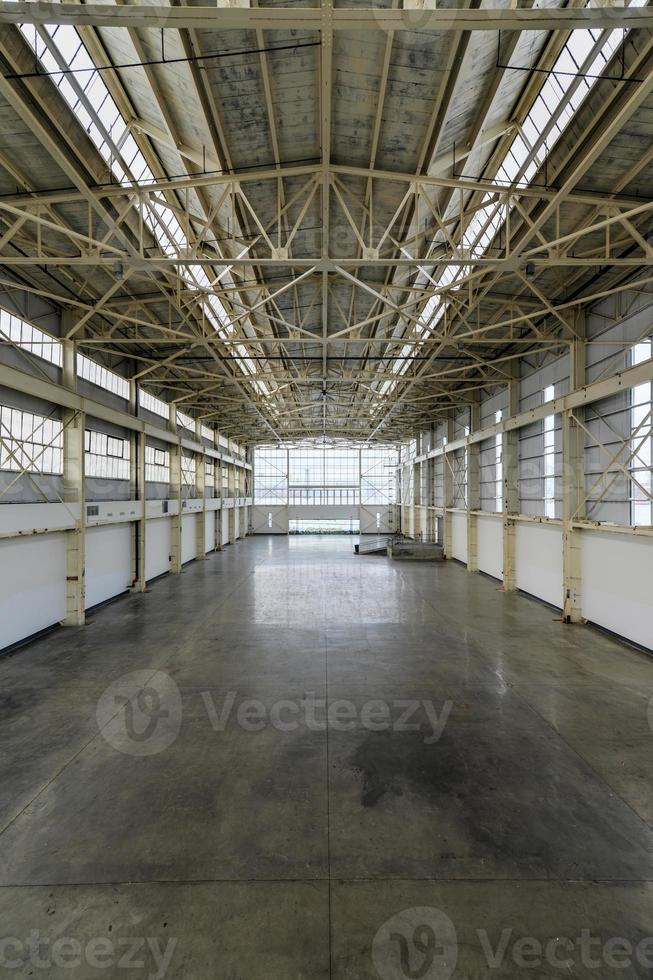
[(188, 537), (209, 530), (157, 547), (108, 562), (489, 544), (539, 560), (459, 535), (32, 585), (617, 577)]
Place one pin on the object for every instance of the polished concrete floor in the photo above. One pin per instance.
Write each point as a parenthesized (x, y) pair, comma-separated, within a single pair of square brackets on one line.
[(174, 803)]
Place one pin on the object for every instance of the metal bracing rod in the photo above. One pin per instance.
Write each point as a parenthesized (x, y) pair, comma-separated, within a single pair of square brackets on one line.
[(31, 460), (614, 460)]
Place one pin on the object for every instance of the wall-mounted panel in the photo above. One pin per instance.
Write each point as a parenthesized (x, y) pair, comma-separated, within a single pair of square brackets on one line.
[(459, 536), (188, 537), (209, 530), (108, 562), (32, 585), (157, 547), (489, 540), (617, 577), (539, 560), (225, 525)]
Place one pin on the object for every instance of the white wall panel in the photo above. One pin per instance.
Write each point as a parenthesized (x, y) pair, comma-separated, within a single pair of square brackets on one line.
[(489, 541), (617, 589), (236, 513), (188, 537), (32, 585), (539, 560), (108, 562), (225, 525), (209, 530), (157, 547), (459, 536)]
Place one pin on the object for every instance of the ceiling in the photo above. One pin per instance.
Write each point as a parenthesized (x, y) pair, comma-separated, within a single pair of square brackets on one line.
[(327, 181)]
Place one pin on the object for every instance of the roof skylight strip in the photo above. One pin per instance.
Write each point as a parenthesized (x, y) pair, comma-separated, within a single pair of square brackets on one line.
[(520, 162), (61, 47)]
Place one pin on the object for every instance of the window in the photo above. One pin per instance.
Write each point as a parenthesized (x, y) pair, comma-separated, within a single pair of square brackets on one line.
[(17, 331), (325, 475), (188, 471), (271, 475), (548, 452), (30, 442), (209, 473), (641, 442), (153, 404), (206, 433), (185, 421), (378, 475), (102, 377), (157, 465), (106, 457)]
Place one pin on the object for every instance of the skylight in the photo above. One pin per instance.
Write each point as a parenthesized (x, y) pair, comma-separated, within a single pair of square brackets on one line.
[(586, 52), (60, 49)]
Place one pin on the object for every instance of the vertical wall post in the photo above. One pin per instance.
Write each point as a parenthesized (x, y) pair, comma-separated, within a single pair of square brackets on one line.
[(510, 453), (473, 488), (74, 425), (573, 483)]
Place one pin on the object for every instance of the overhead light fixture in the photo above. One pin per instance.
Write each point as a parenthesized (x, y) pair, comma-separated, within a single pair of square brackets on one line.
[(530, 270), (118, 269)]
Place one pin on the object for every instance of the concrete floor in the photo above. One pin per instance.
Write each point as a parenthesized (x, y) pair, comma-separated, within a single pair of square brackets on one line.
[(513, 806)]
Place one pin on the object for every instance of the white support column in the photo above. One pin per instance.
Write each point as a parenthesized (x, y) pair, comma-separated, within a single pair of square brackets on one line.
[(447, 496), (573, 484), (175, 495), (510, 465), (74, 425), (473, 489)]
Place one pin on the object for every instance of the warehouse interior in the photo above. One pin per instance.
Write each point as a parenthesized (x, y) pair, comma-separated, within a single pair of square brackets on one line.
[(282, 284)]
